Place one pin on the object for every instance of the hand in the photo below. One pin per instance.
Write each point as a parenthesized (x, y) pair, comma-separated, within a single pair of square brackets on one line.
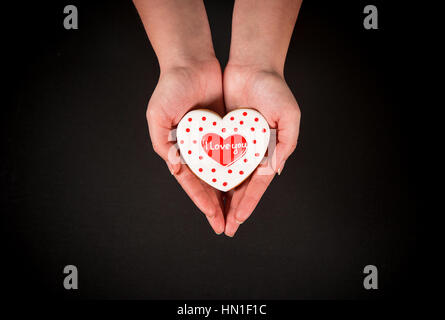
[(180, 88), (266, 91)]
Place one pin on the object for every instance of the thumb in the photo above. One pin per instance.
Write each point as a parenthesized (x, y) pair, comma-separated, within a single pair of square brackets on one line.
[(287, 135)]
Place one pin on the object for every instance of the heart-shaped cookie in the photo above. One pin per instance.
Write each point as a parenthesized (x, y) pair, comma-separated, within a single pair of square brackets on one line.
[(223, 152)]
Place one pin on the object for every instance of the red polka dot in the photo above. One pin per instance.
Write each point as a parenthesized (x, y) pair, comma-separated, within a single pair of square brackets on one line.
[(214, 180), (189, 152), (200, 169), (188, 130), (245, 160), (244, 113), (223, 129), (203, 118), (256, 119), (236, 129), (213, 170), (200, 129), (181, 142), (257, 154), (194, 141), (241, 122), (252, 129), (230, 171), (264, 129), (190, 119), (241, 172), (232, 118), (214, 123), (254, 141), (224, 184), (200, 158)]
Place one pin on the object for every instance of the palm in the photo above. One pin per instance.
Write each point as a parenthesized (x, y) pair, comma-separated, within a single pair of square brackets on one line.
[(265, 91)]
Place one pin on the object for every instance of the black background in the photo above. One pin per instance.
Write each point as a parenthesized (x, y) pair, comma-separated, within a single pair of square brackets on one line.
[(83, 186)]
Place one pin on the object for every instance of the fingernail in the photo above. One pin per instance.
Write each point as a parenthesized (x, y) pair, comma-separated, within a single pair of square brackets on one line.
[(239, 222), (281, 168)]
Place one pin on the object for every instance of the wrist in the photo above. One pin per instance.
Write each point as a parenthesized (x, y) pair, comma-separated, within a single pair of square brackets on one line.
[(243, 70), (250, 66), (206, 71), (202, 61)]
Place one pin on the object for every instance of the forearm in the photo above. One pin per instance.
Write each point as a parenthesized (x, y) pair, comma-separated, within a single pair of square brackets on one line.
[(261, 32), (178, 31)]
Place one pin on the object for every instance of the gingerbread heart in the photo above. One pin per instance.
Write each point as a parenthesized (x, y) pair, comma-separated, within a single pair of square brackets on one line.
[(223, 152)]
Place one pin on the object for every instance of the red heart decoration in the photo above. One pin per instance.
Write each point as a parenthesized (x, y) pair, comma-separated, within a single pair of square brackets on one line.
[(224, 151)]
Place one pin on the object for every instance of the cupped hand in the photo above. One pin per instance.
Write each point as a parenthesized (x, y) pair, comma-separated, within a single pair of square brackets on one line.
[(266, 91), (181, 88)]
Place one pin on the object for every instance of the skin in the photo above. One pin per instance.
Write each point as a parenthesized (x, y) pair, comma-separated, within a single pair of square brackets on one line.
[(254, 76), (190, 77)]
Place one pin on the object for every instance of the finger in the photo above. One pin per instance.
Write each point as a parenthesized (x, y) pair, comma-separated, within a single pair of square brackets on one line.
[(288, 130), (196, 191), (216, 197), (254, 191), (233, 199), (217, 222), (162, 142)]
